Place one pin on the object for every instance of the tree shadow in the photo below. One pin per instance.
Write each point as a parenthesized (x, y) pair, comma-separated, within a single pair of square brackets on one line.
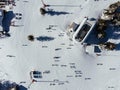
[(6, 21), (44, 38), (7, 85), (51, 12), (117, 46), (112, 32), (20, 87), (1, 17), (118, 9), (92, 38)]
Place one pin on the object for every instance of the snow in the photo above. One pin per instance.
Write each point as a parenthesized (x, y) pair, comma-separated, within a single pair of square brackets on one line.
[(19, 56)]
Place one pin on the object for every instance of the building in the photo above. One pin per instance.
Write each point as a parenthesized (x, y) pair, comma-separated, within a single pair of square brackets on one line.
[(79, 32)]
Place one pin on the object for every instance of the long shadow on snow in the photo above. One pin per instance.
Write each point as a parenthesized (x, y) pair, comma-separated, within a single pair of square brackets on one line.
[(7, 85), (8, 16), (114, 32), (111, 33), (44, 38), (21, 88), (117, 46), (52, 12), (92, 38), (1, 17)]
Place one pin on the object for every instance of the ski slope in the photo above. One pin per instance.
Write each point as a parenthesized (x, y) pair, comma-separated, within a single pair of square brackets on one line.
[(70, 68)]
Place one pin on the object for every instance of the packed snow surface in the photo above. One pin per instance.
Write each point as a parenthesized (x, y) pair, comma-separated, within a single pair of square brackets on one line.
[(64, 64)]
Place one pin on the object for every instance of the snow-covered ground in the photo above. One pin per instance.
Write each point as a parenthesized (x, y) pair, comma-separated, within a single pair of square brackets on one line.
[(70, 68)]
